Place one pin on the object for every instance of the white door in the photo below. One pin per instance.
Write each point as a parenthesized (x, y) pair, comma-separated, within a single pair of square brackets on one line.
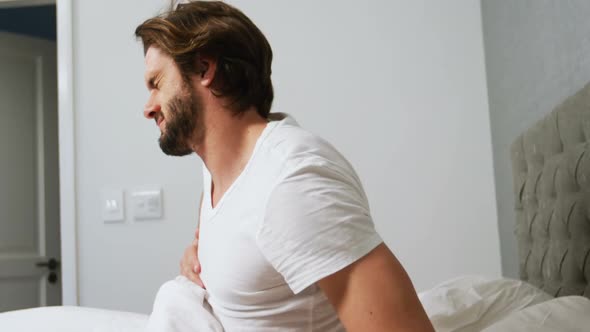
[(29, 183)]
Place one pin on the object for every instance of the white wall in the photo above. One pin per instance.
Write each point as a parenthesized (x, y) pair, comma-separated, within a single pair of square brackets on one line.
[(397, 86), (121, 266), (537, 54)]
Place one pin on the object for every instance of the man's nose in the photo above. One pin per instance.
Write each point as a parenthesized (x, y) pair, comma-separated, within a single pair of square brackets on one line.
[(150, 110)]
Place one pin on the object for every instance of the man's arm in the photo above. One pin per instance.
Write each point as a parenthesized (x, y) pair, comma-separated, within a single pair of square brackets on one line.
[(376, 294)]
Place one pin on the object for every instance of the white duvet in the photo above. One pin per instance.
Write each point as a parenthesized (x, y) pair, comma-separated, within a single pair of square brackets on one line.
[(461, 305)]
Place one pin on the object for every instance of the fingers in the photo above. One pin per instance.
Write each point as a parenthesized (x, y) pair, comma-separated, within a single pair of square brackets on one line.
[(196, 267), (190, 266), (197, 234), (192, 276), (195, 278)]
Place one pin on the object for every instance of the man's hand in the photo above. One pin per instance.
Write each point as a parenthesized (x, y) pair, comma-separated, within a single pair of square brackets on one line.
[(189, 264)]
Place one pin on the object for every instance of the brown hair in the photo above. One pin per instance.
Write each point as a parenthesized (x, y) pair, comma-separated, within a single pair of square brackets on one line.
[(216, 29)]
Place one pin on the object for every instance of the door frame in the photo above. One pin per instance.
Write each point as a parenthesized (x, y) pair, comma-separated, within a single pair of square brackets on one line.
[(66, 129), (66, 139), (67, 149), (25, 3)]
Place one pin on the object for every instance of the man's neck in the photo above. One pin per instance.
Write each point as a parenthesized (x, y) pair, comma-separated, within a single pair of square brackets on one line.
[(228, 145)]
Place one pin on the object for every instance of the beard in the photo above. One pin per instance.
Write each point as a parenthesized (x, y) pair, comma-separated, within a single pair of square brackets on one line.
[(184, 124)]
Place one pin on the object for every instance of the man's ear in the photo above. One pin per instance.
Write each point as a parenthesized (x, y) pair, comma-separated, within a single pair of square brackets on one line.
[(206, 68)]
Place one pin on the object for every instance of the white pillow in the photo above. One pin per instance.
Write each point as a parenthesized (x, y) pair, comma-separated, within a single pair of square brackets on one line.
[(472, 303), (564, 314)]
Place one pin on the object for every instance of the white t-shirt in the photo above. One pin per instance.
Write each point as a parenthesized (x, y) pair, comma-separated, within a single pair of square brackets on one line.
[(296, 214)]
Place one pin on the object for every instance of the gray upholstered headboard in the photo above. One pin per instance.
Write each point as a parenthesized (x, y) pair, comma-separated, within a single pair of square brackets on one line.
[(551, 165)]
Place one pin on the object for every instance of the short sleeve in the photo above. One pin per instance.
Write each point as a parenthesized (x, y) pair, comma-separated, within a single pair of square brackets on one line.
[(317, 222)]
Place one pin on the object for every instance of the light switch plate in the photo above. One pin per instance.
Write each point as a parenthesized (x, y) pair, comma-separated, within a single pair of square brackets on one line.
[(147, 204), (112, 205)]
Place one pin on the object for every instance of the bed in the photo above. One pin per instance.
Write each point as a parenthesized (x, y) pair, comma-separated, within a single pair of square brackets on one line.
[(551, 165), (551, 177)]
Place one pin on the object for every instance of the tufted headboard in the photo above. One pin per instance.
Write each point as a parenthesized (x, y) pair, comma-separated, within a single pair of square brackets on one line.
[(551, 166)]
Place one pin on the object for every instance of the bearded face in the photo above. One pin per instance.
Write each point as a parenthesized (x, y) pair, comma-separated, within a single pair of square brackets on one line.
[(182, 123)]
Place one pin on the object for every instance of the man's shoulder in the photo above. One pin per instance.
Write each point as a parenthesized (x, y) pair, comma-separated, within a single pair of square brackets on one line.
[(294, 147)]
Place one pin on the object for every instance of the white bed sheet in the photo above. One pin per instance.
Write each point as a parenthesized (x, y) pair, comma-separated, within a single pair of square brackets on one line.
[(179, 306), (472, 303), (563, 314), (465, 304), (71, 319)]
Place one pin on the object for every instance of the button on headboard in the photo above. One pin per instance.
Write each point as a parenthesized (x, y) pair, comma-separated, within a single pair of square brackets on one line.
[(551, 167)]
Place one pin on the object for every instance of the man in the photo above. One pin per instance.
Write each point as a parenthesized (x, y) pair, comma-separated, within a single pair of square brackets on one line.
[(286, 241)]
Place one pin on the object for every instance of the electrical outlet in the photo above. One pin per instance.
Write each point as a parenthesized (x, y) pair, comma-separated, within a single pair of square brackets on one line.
[(147, 204)]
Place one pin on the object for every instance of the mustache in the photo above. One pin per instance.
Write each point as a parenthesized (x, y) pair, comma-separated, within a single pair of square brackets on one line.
[(157, 118)]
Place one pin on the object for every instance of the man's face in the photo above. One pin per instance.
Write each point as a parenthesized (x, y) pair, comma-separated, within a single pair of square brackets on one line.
[(173, 104)]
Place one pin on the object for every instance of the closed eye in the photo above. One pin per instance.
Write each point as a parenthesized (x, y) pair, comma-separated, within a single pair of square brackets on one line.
[(151, 84)]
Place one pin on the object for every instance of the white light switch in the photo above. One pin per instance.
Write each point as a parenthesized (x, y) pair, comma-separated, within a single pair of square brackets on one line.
[(147, 204), (113, 206)]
